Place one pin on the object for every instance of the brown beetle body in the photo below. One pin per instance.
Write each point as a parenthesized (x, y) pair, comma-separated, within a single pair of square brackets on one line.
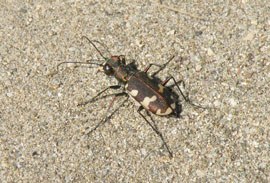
[(153, 96), (150, 94)]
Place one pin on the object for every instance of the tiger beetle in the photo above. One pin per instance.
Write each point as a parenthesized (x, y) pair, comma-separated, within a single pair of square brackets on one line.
[(148, 92)]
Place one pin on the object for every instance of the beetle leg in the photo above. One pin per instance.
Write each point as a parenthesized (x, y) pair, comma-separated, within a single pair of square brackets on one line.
[(107, 117), (155, 129), (150, 65), (171, 77), (161, 67), (104, 96), (185, 97), (122, 59), (115, 87)]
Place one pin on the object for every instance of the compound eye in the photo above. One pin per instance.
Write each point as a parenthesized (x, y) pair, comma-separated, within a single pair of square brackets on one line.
[(108, 69)]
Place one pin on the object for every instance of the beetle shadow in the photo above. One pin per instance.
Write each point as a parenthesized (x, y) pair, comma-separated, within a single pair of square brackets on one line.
[(176, 99)]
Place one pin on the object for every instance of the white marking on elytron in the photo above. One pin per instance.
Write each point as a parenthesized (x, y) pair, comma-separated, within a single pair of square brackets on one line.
[(168, 111), (173, 105), (126, 86), (134, 93), (160, 88), (147, 100)]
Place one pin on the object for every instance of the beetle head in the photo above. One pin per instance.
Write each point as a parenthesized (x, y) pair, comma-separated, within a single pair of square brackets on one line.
[(112, 64)]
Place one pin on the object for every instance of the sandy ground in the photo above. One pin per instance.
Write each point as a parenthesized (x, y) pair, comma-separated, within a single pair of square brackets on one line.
[(221, 51)]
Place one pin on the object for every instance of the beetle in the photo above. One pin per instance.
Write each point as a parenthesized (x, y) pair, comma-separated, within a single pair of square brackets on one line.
[(148, 92)]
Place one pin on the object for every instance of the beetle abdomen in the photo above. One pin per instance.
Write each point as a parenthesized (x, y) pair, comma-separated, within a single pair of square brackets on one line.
[(150, 94)]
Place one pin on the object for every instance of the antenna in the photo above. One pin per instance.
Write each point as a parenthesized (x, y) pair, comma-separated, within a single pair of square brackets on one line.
[(86, 63), (91, 42)]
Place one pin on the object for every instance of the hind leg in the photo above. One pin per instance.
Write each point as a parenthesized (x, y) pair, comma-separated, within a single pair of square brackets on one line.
[(155, 129), (186, 98)]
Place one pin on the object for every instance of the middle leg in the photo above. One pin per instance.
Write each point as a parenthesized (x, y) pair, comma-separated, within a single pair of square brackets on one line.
[(114, 87), (161, 67), (106, 116)]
